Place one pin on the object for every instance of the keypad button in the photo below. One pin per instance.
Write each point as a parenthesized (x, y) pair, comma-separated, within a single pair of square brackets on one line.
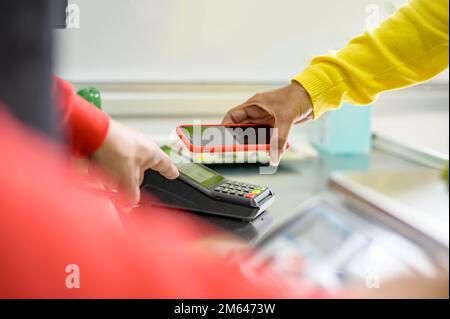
[(241, 189)]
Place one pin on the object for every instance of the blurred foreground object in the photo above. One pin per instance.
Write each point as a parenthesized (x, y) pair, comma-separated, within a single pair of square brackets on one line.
[(25, 63), (50, 223)]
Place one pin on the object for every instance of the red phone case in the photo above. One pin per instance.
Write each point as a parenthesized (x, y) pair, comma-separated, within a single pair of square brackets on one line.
[(221, 148)]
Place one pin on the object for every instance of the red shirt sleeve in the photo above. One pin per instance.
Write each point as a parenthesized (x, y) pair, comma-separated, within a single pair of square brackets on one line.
[(86, 125)]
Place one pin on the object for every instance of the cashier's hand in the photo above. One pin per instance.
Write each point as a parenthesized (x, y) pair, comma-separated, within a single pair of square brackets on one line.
[(281, 109), (125, 156)]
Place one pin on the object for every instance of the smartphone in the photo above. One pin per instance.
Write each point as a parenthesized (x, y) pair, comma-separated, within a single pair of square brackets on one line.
[(217, 143), (214, 138)]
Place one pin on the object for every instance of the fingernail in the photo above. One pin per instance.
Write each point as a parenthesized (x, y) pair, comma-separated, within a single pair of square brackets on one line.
[(275, 159)]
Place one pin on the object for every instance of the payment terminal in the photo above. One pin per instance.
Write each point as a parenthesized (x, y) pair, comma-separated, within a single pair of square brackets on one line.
[(201, 189)]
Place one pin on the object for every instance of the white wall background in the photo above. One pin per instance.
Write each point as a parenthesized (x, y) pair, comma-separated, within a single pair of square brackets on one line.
[(206, 40)]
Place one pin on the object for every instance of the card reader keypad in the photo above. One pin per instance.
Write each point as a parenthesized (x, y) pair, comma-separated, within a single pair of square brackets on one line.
[(240, 190)]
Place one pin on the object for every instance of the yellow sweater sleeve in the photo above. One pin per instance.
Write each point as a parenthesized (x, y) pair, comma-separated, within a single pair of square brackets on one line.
[(408, 48)]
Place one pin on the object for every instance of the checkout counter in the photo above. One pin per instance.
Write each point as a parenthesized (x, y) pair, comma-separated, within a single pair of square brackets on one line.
[(353, 221)]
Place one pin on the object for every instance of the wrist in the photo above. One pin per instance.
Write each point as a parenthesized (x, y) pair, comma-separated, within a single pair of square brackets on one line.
[(303, 102)]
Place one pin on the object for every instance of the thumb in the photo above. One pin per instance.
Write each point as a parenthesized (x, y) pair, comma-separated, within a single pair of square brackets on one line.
[(278, 141)]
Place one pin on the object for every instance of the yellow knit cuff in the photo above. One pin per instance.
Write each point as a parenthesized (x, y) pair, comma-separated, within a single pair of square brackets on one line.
[(315, 86)]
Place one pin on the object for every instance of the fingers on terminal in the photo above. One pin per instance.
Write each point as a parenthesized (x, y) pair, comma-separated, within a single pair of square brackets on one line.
[(165, 166)]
